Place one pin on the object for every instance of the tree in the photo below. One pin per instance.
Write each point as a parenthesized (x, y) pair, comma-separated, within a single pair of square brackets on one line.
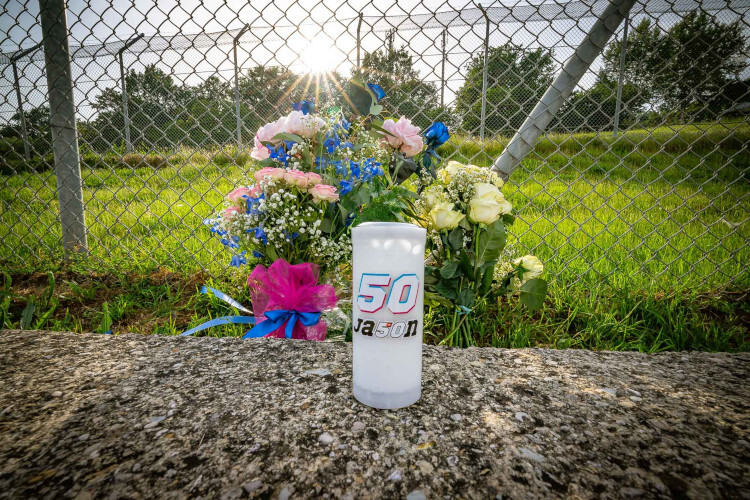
[(516, 79), (406, 93), (155, 101), (682, 69)]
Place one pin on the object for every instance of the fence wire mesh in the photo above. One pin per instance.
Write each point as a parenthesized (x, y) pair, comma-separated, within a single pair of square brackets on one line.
[(646, 163)]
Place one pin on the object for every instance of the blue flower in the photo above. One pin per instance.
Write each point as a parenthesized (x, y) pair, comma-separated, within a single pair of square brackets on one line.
[(369, 169), (377, 90), (252, 205), (331, 143), (278, 153), (289, 236), (259, 233), (346, 187), (306, 107), (436, 135), (229, 243), (238, 260)]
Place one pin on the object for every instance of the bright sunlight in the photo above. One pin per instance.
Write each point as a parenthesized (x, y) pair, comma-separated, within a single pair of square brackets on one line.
[(321, 56)]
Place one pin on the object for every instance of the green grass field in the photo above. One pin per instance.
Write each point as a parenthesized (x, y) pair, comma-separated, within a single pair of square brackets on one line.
[(644, 238)]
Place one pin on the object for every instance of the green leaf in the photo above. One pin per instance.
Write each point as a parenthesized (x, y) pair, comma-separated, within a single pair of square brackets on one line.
[(106, 323), (363, 194), (378, 211), (491, 241), (52, 304), (344, 213), (431, 276), (270, 253), (286, 136), (376, 109), (433, 299), (358, 95), (449, 270), (533, 293), (466, 297), (326, 225), (456, 238), (508, 219), (467, 265), (447, 289), (4, 307), (27, 315), (487, 277)]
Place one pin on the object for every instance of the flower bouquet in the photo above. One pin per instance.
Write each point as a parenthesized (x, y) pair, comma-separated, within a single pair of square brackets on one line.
[(317, 175), (465, 215)]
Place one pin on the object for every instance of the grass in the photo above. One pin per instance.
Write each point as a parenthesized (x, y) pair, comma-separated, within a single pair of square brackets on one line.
[(645, 241)]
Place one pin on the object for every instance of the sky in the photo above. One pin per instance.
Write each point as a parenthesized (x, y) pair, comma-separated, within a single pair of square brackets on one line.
[(306, 35)]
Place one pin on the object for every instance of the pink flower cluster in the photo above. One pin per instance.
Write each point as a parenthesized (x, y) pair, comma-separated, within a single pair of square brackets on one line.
[(294, 123), (308, 181)]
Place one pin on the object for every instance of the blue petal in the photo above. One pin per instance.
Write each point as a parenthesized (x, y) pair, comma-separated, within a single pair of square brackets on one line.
[(306, 107), (377, 90)]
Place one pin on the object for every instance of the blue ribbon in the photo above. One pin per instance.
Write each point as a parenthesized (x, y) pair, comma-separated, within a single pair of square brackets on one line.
[(274, 319)]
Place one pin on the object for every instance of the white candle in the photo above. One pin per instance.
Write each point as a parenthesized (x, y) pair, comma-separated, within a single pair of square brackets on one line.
[(387, 305)]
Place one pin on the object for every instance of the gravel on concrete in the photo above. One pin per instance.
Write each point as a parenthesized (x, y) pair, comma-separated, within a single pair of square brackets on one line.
[(95, 416)]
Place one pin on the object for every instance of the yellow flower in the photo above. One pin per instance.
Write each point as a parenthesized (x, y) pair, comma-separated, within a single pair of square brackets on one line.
[(451, 169), (442, 216)]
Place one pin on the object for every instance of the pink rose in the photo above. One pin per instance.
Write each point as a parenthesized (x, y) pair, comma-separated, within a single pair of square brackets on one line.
[(255, 191), (324, 192), (313, 179), (275, 174), (267, 132), (405, 136), (259, 152), (303, 125), (238, 193), (231, 211), (296, 178)]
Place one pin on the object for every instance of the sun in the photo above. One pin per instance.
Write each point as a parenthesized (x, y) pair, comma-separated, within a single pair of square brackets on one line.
[(320, 56)]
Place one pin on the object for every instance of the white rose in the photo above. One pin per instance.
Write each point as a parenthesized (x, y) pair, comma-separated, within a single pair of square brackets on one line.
[(442, 216), (532, 267), (303, 125), (484, 210), (487, 191)]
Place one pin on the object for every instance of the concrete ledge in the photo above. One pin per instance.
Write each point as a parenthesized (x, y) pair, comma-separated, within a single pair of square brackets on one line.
[(144, 416)]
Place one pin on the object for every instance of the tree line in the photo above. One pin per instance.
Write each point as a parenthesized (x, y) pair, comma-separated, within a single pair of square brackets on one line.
[(691, 71)]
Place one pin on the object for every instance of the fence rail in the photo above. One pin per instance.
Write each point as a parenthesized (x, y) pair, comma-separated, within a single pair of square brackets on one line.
[(642, 110)]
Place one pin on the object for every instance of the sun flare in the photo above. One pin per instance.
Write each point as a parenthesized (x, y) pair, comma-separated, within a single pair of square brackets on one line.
[(321, 56)]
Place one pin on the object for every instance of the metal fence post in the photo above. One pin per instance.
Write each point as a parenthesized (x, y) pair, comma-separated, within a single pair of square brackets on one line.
[(63, 124), (442, 71), (237, 85), (359, 40), (484, 72), (17, 85), (620, 78), (126, 116), (552, 100)]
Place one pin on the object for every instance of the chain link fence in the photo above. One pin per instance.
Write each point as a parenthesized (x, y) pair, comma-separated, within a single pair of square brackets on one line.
[(643, 171)]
